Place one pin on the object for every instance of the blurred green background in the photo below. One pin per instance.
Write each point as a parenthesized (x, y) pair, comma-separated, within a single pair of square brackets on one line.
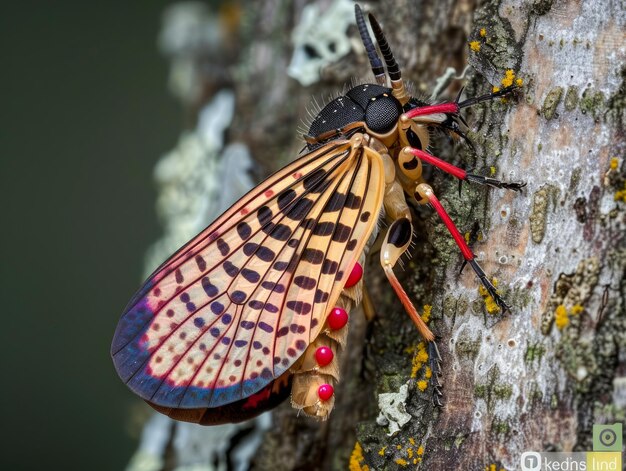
[(85, 116)]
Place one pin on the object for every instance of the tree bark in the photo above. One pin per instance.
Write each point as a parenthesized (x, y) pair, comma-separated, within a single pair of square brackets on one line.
[(514, 381)]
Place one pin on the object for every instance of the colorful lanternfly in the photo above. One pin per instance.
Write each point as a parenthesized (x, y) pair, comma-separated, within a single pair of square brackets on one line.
[(255, 307)]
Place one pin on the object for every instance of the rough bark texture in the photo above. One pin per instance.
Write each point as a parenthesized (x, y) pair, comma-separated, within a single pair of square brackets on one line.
[(512, 382)]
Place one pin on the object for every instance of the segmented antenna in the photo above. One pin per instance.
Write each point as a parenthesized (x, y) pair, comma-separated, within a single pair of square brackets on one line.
[(392, 66), (375, 62)]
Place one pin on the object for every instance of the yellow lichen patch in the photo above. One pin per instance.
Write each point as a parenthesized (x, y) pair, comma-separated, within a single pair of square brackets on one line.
[(427, 310), (483, 32), (381, 452), (398, 447), (577, 309), (492, 169), (419, 359), (427, 374), (620, 195), (422, 385), (467, 237), (401, 462), (509, 77), (490, 303), (412, 441), (356, 458), (493, 467), (495, 89), (561, 318), (614, 163), (519, 82), (420, 450), (409, 452), (475, 46)]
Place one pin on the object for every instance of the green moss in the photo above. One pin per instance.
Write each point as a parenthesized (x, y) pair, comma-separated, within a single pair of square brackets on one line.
[(574, 179), (534, 352), (467, 348), (548, 110), (554, 401), (500, 427), (391, 383), (539, 214), (616, 103), (571, 98), (480, 391), (592, 102), (502, 391)]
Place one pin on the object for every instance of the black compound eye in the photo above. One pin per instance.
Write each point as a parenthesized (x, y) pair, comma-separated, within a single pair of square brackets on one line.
[(382, 113)]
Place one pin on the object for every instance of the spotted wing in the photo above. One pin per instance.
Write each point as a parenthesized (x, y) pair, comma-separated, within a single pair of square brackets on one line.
[(234, 308)]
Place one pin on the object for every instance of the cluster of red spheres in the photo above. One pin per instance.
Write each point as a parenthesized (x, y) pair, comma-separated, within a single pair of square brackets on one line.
[(337, 318)]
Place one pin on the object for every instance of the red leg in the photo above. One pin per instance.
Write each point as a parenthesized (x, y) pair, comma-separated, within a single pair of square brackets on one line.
[(424, 194), (462, 174), (456, 106)]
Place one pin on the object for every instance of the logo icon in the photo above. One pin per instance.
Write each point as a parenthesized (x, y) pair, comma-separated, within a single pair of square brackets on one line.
[(607, 437), (531, 461)]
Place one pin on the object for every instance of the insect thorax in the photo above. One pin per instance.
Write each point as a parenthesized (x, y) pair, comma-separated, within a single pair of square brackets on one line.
[(369, 104)]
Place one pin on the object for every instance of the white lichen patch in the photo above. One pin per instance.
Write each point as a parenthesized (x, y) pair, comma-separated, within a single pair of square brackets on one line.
[(320, 39), (393, 409), (199, 179)]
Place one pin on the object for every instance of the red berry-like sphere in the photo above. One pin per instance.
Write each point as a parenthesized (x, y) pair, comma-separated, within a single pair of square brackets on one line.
[(337, 318), (355, 275), (324, 355), (325, 392)]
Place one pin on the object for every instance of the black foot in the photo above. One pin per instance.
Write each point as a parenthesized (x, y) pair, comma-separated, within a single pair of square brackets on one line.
[(515, 186), (487, 97), (435, 368), (489, 287)]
